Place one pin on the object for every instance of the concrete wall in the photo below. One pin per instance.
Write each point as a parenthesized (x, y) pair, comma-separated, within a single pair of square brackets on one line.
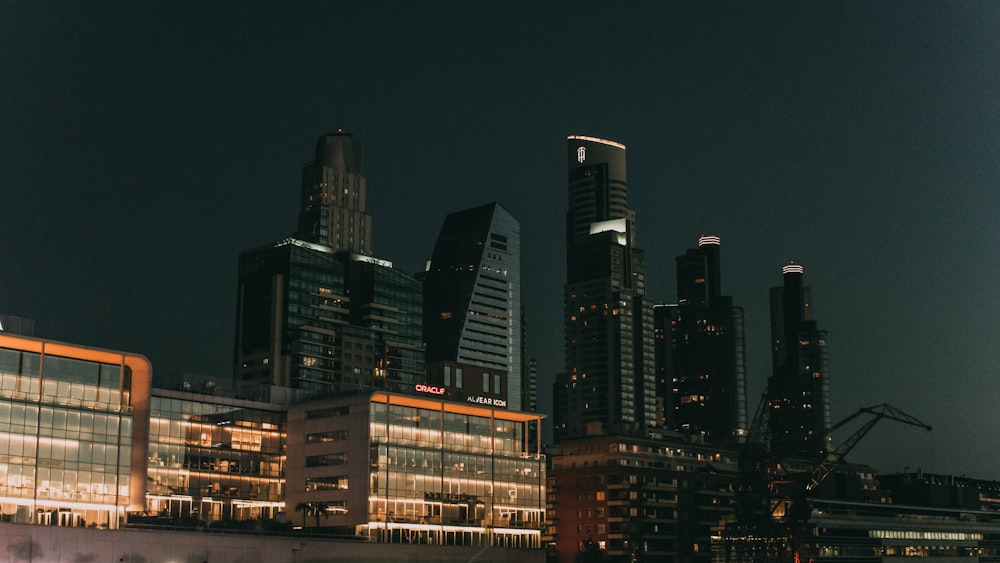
[(21, 543)]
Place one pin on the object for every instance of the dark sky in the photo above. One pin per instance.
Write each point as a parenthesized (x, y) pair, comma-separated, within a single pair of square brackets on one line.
[(143, 146)]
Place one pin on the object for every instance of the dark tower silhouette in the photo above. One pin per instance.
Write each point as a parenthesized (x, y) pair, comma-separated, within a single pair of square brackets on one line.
[(704, 372), (798, 389)]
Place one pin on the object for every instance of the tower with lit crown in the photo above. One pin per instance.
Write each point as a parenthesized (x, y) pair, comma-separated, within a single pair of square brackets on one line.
[(798, 390), (608, 385), (704, 371), (318, 311)]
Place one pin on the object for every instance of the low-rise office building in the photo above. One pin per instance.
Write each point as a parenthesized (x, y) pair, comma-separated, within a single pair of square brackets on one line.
[(413, 469), (73, 428), (215, 458)]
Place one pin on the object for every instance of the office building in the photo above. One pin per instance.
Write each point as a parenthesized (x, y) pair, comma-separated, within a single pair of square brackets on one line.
[(333, 210), (415, 469), (311, 319), (703, 373), (609, 382), (213, 458), (73, 429), (318, 312), (472, 300), (798, 389)]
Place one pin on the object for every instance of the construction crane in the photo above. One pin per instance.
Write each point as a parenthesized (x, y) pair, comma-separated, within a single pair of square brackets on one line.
[(821, 471), (774, 516)]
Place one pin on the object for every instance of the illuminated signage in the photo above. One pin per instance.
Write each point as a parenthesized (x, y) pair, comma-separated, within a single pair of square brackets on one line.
[(487, 401), (581, 154), (421, 388)]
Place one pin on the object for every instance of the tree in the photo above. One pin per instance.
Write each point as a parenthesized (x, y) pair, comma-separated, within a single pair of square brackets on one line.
[(315, 509)]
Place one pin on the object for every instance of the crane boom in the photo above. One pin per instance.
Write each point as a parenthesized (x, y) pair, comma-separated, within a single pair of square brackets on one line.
[(821, 471)]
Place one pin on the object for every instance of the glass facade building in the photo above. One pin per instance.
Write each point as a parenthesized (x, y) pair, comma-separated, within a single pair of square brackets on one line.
[(472, 298), (215, 458), (68, 415), (314, 320), (291, 303), (406, 469), (386, 319)]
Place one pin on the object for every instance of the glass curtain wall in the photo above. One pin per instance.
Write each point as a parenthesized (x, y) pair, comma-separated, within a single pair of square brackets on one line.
[(214, 462), (454, 478), (65, 437)]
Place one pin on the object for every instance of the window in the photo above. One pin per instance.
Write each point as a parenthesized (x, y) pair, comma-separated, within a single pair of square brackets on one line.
[(325, 413), (328, 459), (327, 483), (332, 436)]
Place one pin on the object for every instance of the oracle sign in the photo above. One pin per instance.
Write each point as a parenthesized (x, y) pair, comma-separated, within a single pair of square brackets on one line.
[(421, 388)]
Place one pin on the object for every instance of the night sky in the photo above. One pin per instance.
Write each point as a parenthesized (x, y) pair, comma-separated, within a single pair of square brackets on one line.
[(143, 146)]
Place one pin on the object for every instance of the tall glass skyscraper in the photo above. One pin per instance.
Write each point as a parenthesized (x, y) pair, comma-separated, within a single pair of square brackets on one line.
[(798, 391), (311, 319), (704, 370), (609, 381), (472, 297)]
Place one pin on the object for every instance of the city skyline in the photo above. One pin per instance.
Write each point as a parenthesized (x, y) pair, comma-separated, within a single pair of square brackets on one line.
[(144, 149)]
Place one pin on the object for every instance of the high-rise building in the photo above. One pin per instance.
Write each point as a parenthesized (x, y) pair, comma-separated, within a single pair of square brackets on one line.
[(319, 312), (704, 371), (333, 211), (609, 382), (798, 389), (472, 298), (311, 319)]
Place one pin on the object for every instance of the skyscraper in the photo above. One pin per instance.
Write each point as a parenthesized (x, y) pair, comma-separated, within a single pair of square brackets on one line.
[(333, 211), (472, 298), (609, 383), (705, 369), (321, 313), (798, 389), (311, 319)]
